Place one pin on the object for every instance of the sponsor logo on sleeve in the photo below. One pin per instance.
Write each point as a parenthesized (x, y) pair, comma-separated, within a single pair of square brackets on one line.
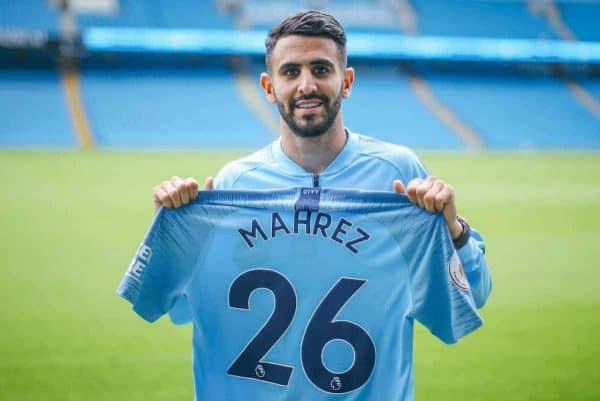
[(140, 261)]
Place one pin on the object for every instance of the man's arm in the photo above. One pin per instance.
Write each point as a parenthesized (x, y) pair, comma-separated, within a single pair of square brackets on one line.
[(435, 195)]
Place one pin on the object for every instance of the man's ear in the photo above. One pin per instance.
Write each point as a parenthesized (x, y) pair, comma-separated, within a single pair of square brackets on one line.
[(267, 85), (348, 82)]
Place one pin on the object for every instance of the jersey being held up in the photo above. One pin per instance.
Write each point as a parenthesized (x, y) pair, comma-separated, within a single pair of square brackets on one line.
[(303, 294), (364, 163)]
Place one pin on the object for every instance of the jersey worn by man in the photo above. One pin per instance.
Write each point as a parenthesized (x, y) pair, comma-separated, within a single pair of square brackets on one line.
[(364, 163), (303, 294)]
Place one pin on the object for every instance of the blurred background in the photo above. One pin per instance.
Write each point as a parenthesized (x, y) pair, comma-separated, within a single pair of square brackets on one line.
[(100, 100), (430, 74)]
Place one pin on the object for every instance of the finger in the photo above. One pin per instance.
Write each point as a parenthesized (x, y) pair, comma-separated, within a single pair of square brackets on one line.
[(399, 187), (444, 197), (173, 194), (182, 190), (449, 208), (411, 190), (422, 190), (161, 197), (156, 199), (209, 183), (192, 187), (430, 197)]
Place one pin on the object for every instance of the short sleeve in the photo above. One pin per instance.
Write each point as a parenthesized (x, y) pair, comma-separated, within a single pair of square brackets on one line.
[(161, 267), (441, 296)]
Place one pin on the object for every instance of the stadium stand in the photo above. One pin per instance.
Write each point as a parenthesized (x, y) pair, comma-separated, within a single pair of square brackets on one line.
[(186, 100), (356, 15), (160, 14), (592, 85), (582, 18), (500, 19), (169, 108), (33, 111), (519, 111), (28, 15)]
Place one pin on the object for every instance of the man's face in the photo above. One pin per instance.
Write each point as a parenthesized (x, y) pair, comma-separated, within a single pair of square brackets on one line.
[(307, 80)]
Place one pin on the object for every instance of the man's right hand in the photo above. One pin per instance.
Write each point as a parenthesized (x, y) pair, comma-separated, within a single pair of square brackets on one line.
[(177, 192)]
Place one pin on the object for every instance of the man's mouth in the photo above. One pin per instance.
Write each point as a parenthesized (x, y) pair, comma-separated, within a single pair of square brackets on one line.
[(308, 104)]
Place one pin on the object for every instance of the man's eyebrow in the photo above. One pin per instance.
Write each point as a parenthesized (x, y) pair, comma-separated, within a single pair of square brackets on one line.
[(322, 62), (285, 66), (292, 64)]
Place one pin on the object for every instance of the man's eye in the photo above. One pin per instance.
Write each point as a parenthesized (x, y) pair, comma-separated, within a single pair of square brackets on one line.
[(291, 72), (321, 70)]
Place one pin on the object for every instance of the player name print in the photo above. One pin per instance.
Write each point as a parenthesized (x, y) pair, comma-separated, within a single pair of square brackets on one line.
[(340, 230)]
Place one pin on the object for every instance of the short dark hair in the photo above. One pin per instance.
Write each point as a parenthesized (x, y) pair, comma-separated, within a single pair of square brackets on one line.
[(308, 23)]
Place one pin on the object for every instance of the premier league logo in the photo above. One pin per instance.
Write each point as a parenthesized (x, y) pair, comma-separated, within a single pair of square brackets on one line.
[(336, 384), (260, 371)]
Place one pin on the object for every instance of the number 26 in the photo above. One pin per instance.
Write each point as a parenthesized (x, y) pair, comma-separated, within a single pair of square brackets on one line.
[(319, 331)]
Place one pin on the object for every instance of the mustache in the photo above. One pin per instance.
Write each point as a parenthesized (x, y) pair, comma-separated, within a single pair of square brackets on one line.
[(310, 96)]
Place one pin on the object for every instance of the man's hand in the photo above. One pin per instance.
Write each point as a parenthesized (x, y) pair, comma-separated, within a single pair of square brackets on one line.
[(433, 195), (177, 192)]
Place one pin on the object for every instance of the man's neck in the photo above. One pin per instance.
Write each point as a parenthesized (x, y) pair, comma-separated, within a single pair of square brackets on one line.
[(316, 153)]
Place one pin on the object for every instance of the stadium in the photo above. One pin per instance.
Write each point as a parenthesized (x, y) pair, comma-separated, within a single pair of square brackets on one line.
[(100, 100)]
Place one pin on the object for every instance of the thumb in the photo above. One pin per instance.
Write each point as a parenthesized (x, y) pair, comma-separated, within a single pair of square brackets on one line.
[(209, 183), (399, 187)]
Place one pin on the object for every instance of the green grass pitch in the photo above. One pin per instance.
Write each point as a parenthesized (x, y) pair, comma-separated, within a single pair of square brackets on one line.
[(70, 223)]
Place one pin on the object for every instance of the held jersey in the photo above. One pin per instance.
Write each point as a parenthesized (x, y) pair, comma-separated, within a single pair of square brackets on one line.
[(303, 294), (364, 163)]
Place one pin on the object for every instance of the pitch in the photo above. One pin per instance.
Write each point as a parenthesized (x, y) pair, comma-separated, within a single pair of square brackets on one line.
[(72, 221)]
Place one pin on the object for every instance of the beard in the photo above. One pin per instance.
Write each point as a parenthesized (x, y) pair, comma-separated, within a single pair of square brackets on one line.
[(309, 125)]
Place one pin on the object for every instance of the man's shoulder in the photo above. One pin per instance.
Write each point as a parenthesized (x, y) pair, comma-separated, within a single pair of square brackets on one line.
[(399, 156), (234, 169)]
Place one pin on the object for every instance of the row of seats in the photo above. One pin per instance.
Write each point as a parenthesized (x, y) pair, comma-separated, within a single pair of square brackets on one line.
[(192, 14), (516, 19), (583, 19), (33, 110), (31, 15), (498, 19), (205, 108)]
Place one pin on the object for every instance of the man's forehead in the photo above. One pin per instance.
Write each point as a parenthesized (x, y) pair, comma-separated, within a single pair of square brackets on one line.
[(303, 49)]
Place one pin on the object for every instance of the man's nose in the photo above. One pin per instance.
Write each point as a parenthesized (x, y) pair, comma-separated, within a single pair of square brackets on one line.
[(307, 83)]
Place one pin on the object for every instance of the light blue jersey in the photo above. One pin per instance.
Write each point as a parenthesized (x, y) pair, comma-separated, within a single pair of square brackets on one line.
[(364, 163), (303, 294)]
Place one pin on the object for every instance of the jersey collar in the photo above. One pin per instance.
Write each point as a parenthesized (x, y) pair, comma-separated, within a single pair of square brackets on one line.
[(341, 161)]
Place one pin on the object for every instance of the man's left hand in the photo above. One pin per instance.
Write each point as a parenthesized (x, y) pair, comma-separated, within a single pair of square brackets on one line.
[(433, 195)]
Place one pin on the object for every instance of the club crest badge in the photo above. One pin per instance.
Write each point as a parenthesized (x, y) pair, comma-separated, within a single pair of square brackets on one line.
[(457, 273)]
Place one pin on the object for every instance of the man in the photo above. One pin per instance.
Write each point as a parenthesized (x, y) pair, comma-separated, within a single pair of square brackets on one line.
[(307, 78)]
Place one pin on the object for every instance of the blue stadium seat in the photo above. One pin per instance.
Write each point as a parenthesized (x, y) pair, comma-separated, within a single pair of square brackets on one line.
[(355, 15), (583, 19), (502, 19), (161, 14), (519, 112), (33, 110), (593, 86), (169, 108), (29, 15)]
